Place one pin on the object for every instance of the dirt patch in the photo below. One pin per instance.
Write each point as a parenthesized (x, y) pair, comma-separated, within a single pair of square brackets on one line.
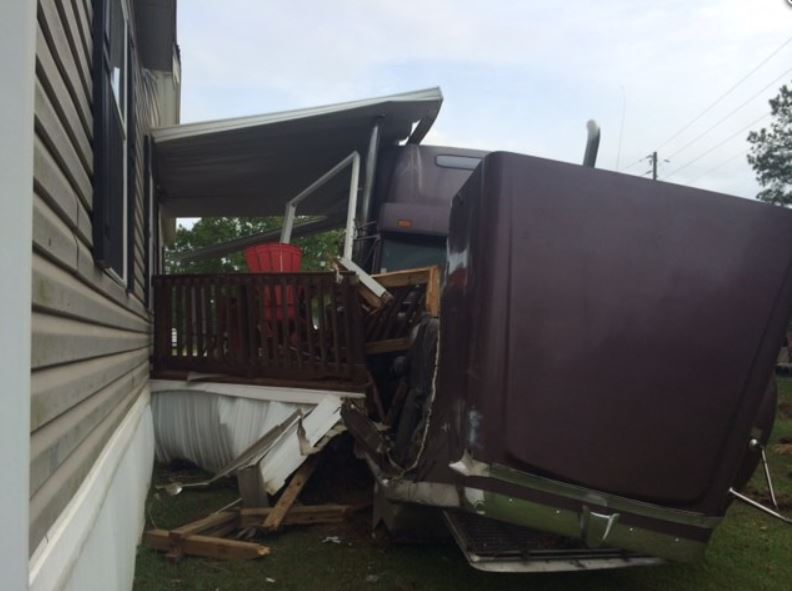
[(784, 503), (785, 408), (784, 500)]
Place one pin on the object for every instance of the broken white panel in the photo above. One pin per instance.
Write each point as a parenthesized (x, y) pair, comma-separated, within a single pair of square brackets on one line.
[(212, 430), (303, 438), (252, 456)]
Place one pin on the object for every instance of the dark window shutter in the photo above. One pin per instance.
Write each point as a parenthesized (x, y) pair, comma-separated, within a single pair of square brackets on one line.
[(108, 202), (102, 100), (131, 166), (156, 266), (148, 220)]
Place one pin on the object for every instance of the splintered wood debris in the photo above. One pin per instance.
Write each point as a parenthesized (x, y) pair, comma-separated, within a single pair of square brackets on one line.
[(216, 535), (212, 536)]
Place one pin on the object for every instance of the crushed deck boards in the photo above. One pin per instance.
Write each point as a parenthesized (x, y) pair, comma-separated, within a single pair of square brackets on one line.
[(205, 537), (414, 293)]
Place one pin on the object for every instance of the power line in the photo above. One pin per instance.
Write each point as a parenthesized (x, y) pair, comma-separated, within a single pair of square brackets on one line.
[(717, 166), (718, 145), (654, 163), (641, 159), (725, 94), (729, 114)]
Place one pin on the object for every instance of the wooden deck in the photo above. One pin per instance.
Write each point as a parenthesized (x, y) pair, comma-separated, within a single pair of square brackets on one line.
[(284, 326)]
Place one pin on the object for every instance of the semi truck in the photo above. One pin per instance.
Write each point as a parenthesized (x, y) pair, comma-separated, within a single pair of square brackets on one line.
[(596, 385)]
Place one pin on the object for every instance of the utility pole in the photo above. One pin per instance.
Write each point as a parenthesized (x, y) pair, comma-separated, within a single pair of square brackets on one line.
[(653, 158)]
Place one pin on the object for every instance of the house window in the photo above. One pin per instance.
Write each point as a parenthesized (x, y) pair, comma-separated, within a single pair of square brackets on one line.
[(111, 137), (118, 58)]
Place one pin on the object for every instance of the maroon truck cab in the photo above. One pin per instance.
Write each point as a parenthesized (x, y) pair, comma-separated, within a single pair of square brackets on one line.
[(604, 348)]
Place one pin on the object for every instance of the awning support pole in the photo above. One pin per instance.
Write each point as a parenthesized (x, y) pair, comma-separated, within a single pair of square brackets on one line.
[(369, 174), (349, 236), (291, 206), (371, 169)]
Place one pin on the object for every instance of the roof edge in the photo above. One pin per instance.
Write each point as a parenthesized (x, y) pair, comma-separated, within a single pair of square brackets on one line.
[(176, 132)]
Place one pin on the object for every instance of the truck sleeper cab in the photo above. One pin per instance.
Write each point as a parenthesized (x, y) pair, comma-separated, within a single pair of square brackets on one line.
[(597, 371)]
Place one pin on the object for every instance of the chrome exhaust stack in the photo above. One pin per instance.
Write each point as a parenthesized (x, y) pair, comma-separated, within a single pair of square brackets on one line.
[(592, 143)]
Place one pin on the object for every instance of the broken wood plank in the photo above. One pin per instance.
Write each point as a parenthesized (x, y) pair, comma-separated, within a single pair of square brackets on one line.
[(298, 515), (206, 546), (221, 531), (433, 291), (367, 282), (275, 518), (371, 300), (206, 523), (387, 346), (428, 276), (405, 278)]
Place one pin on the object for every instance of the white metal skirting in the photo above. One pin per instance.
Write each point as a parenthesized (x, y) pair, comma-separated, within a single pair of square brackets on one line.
[(211, 430), (212, 425)]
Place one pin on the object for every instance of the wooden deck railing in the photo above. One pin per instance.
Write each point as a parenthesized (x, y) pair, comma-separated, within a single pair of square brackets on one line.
[(289, 326)]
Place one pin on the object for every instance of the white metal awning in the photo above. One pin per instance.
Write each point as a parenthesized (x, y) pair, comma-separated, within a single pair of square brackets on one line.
[(252, 166)]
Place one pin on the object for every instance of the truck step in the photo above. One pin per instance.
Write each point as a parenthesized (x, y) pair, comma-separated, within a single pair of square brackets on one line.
[(492, 545)]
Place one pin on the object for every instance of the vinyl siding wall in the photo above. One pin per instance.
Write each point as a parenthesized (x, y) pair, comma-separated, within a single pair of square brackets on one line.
[(90, 336)]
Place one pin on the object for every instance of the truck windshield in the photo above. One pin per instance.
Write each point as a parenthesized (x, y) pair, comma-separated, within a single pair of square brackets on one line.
[(410, 252)]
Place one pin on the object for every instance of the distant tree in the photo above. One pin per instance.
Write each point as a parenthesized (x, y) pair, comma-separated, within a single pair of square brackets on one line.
[(319, 250), (771, 152)]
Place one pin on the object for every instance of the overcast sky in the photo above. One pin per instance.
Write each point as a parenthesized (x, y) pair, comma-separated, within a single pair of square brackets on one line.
[(516, 75)]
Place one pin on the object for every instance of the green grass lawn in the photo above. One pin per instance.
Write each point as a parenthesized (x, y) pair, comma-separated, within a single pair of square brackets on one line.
[(748, 552)]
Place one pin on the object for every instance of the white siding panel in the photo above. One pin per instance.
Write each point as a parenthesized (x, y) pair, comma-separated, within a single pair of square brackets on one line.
[(53, 186), (53, 496), (89, 272), (56, 389), (51, 130), (53, 83), (59, 292), (59, 340), (51, 236), (81, 57), (53, 239), (52, 444), (55, 33), (84, 26)]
